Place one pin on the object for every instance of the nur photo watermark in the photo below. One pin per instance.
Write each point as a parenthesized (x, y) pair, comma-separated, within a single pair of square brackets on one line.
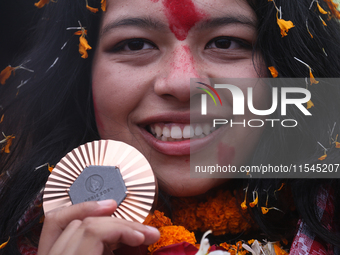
[(263, 128)]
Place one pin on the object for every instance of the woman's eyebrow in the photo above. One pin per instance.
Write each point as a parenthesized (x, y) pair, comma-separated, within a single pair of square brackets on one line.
[(226, 20), (141, 22)]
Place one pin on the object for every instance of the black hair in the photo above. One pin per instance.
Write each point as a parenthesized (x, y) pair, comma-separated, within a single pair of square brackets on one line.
[(50, 115), (299, 145), (52, 112)]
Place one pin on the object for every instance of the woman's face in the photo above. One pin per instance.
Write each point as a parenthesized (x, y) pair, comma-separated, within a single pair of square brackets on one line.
[(147, 52)]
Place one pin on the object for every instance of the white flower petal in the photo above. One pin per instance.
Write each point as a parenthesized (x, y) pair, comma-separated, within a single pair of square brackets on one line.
[(204, 247), (219, 253), (247, 247)]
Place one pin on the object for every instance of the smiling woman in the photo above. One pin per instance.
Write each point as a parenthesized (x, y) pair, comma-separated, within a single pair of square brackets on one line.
[(163, 55), (131, 83)]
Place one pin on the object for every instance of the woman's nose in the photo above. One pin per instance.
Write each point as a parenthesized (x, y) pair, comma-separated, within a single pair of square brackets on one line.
[(176, 73)]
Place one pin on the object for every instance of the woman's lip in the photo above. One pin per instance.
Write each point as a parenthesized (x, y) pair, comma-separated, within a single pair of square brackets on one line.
[(180, 148)]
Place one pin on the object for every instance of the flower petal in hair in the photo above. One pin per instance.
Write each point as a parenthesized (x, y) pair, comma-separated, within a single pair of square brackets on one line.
[(310, 104), (83, 44), (94, 10), (273, 71), (103, 5), (6, 73), (284, 25), (41, 3)]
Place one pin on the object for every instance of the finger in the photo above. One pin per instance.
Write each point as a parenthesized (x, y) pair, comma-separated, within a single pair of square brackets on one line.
[(57, 220), (94, 233), (65, 236)]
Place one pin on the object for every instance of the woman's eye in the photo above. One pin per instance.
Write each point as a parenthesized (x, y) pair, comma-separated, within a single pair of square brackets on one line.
[(227, 43), (133, 45)]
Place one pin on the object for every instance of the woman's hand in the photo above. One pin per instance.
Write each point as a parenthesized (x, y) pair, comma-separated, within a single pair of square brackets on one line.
[(88, 228)]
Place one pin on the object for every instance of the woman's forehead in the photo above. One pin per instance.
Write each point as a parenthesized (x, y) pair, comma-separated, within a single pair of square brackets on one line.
[(179, 16)]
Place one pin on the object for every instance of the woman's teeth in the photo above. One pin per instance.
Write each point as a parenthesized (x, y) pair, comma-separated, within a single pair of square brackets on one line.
[(180, 132)]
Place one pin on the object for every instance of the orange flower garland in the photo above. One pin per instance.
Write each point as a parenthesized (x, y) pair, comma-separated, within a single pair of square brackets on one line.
[(169, 234), (222, 214), (172, 235)]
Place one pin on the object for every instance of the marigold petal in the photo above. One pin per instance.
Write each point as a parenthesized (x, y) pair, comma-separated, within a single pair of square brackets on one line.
[(4, 244), (264, 210), (337, 145), (273, 71), (252, 204), (310, 104), (5, 74), (321, 10), (83, 47), (284, 25), (103, 5), (9, 140), (312, 79), (94, 10), (2, 118), (279, 251), (322, 157), (323, 22), (81, 32), (282, 184), (41, 3), (244, 205)]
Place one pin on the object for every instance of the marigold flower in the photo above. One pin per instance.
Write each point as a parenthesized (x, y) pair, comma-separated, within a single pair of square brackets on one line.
[(284, 25), (185, 213), (5, 74), (157, 220), (94, 10), (222, 215), (279, 251), (4, 244), (41, 3), (310, 104), (273, 71), (337, 145), (323, 157), (103, 5), (172, 235)]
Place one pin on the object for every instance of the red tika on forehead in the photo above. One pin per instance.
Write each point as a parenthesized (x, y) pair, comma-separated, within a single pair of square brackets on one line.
[(182, 16)]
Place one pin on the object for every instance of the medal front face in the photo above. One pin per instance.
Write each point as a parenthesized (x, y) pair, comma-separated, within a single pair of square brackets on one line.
[(100, 170)]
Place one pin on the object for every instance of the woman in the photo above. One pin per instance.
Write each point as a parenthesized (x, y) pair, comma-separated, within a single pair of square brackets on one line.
[(136, 79)]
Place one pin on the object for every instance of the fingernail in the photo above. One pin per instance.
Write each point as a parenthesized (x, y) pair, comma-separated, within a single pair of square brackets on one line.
[(141, 235), (105, 203), (152, 228)]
